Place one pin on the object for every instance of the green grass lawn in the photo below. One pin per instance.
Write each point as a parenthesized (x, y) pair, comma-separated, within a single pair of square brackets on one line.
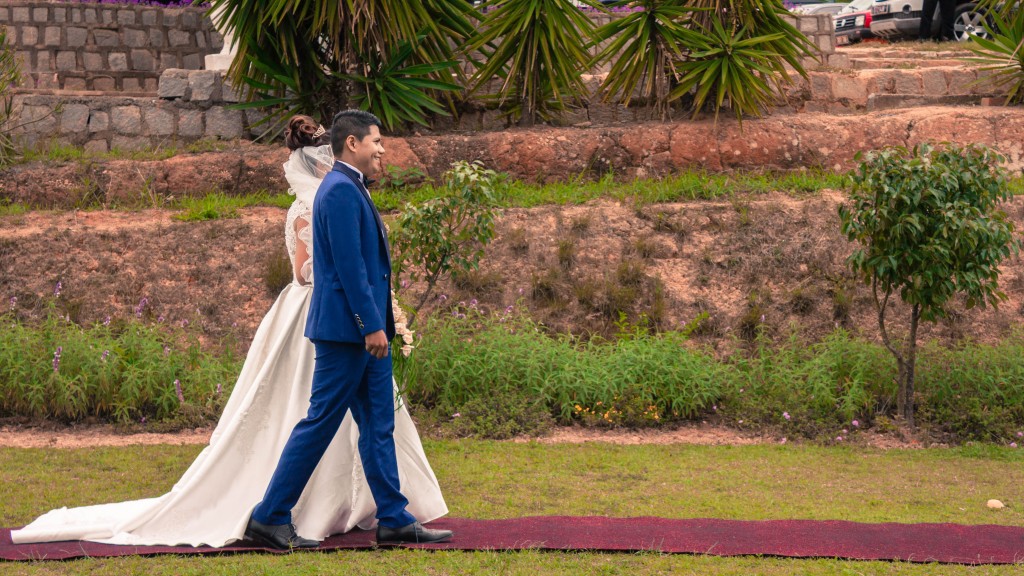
[(500, 480)]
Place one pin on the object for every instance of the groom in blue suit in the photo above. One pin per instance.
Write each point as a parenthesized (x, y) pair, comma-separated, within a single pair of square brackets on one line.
[(351, 325)]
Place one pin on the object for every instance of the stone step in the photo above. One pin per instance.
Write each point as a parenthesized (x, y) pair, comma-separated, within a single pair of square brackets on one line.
[(899, 63)]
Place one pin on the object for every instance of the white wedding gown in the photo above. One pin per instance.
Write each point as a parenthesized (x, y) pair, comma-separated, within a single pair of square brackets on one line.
[(211, 503)]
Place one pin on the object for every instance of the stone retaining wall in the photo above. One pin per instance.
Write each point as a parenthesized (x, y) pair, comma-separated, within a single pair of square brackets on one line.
[(108, 76), (105, 47)]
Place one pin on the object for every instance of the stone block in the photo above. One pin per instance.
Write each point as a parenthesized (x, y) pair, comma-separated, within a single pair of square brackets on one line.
[(150, 18), (5, 14), (93, 61), (127, 120), (156, 38), (908, 82), (173, 84), (959, 81), (75, 83), (117, 61), (47, 81), (201, 40), (77, 36), (131, 84), (106, 38), (807, 24), (216, 40), (170, 19), (190, 123), (129, 143), (104, 84), (224, 123), (142, 60), (44, 62), (851, 89), (252, 119), (91, 16), (51, 36), (204, 86), (108, 16), (190, 20), (169, 60), (135, 38), (229, 93), (178, 38), (821, 86), (29, 36), (19, 14), (933, 82), (159, 122), (67, 60), (149, 85), (126, 17), (74, 118), (96, 147), (838, 60), (99, 121), (76, 15), (826, 43), (192, 61), (24, 58), (39, 119), (40, 14), (60, 14)]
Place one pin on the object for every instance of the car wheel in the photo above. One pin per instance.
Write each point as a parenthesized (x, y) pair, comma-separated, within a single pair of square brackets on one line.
[(968, 22)]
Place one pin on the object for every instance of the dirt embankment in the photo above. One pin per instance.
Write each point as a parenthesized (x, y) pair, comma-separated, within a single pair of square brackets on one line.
[(781, 141), (759, 263)]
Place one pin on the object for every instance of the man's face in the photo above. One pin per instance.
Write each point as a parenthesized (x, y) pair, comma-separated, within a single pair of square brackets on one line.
[(366, 153)]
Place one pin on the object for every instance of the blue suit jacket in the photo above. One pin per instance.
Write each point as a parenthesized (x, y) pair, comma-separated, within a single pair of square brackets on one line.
[(351, 263)]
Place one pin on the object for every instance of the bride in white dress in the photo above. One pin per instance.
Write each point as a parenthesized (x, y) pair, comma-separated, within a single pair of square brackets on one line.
[(211, 503)]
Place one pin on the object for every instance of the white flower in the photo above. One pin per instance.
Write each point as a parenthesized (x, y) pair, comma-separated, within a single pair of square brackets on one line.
[(406, 350)]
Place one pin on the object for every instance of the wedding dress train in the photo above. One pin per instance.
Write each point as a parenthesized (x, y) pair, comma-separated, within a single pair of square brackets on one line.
[(211, 503)]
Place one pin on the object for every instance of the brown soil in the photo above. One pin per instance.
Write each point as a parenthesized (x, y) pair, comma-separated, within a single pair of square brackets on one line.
[(765, 263), (55, 436)]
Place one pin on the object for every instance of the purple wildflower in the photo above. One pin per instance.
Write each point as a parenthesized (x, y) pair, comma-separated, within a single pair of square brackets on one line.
[(218, 388), (785, 415), (106, 321), (855, 424), (141, 307), (177, 390), (103, 358), (56, 289), (14, 302), (56, 358)]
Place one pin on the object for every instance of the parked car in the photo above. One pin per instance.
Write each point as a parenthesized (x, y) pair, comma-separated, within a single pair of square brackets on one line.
[(819, 8), (853, 23), (902, 19)]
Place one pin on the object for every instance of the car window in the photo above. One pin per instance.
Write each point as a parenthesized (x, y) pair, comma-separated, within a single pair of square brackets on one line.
[(857, 6)]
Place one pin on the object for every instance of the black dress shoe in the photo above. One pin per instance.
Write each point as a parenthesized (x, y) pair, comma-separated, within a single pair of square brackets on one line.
[(413, 533), (282, 537)]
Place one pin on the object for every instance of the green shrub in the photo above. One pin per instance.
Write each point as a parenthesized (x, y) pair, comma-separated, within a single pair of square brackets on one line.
[(124, 370), (10, 77)]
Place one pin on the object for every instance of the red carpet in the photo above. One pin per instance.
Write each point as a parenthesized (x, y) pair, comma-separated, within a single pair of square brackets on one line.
[(947, 543)]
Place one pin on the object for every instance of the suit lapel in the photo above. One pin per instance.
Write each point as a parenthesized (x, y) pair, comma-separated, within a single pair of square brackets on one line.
[(366, 195)]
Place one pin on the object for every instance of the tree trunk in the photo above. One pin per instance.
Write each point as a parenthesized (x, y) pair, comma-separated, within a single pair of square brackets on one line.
[(907, 384)]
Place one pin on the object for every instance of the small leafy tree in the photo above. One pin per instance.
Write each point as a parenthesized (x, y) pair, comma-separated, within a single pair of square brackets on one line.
[(10, 76), (539, 53), (446, 235), (928, 226)]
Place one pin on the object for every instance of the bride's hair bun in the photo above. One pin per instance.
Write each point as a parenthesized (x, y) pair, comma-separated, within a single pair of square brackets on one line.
[(303, 131)]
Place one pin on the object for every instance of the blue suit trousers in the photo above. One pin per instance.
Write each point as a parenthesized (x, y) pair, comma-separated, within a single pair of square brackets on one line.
[(346, 377)]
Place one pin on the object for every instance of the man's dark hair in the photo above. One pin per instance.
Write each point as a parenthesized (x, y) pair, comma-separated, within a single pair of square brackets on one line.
[(351, 123)]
